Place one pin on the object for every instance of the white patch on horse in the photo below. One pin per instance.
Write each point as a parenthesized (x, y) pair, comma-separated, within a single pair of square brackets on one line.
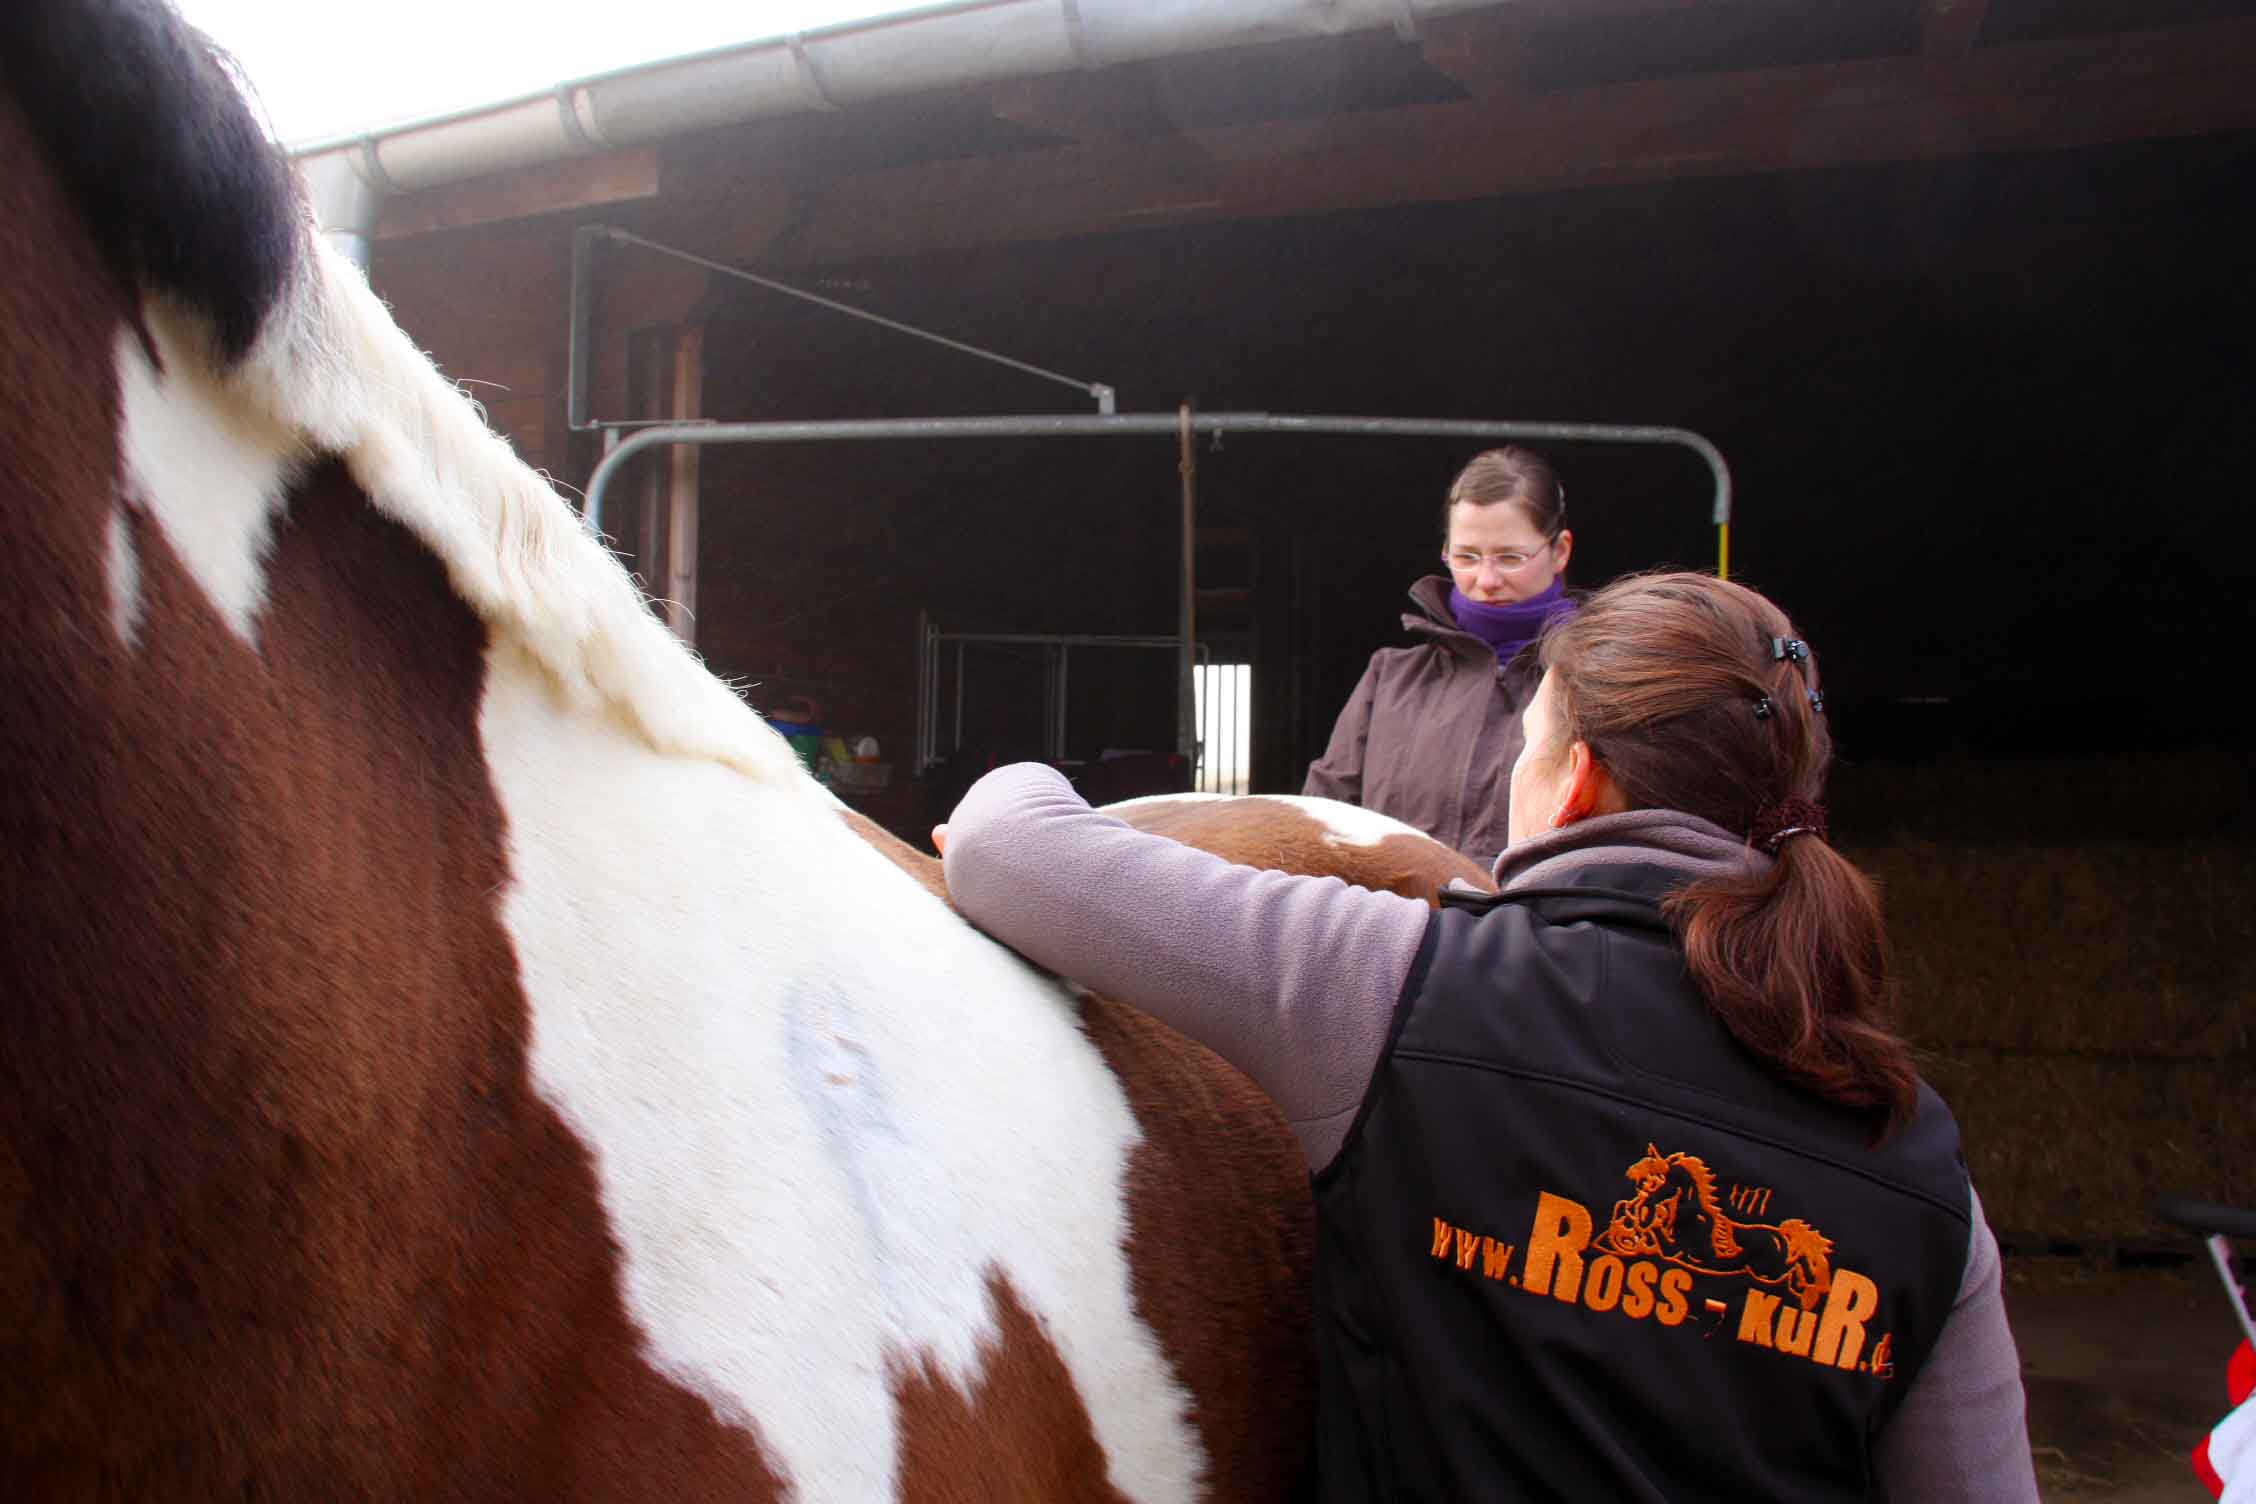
[(1144, 801), (125, 580), (822, 1110), (208, 467), (1346, 824)]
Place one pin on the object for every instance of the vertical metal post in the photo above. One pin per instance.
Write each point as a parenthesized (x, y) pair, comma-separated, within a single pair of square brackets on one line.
[(1059, 687), (957, 745), (924, 632), (577, 375), (2220, 1254), (1186, 698), (681, 498), (1049, 700)]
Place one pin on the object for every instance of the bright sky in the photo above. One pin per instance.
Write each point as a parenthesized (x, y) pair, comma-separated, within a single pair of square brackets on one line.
[(326, 69)]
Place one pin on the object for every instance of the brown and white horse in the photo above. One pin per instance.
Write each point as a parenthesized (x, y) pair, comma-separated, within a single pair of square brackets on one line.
[(447, 1047), (1319, 837)]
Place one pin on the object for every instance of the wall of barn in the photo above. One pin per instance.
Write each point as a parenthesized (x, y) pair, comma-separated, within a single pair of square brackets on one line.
[(1991, 421)]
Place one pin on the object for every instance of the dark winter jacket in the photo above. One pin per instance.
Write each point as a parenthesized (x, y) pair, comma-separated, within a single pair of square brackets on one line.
[(1582, 1245), (1432, 731)]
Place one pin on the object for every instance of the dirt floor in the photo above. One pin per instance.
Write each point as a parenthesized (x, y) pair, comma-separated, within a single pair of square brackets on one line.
[(2125, 1370)]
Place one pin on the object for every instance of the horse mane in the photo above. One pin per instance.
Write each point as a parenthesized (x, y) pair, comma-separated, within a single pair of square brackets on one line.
[(333, 368), (152, 136), (203, 218), (1702, 1177)]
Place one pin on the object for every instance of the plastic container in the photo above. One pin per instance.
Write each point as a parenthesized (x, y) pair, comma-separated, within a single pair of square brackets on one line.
[(800, 722)]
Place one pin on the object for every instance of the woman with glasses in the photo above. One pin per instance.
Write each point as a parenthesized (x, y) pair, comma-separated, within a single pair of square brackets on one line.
[(1432, 729), (1625, 1188)]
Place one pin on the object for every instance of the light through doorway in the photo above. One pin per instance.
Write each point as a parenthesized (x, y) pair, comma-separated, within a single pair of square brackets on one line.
[(1223, 694)]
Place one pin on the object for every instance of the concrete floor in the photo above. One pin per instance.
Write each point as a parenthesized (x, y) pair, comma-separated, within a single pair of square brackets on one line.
[(2125, 1371)]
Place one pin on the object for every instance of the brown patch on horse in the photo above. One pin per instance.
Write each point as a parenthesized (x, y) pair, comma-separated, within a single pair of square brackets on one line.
[(1280, 836), (284, 1216), (1021, 1436), (1220, 1248)]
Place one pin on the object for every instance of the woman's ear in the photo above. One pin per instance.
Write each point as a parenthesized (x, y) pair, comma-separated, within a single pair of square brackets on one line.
[(1563, 546), (1590, 790)]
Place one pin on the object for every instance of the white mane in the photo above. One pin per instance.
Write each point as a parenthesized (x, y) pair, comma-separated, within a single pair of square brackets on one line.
[(335, 369)]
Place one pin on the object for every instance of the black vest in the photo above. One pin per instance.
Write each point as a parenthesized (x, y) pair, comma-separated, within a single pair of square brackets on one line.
[(1581, 1245)]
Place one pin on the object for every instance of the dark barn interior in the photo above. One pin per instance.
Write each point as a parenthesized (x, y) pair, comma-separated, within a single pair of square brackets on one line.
[(1988, 423), (1960, 290)]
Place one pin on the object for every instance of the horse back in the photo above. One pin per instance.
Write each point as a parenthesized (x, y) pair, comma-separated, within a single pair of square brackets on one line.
[(1312, 837), (1221, 1231)]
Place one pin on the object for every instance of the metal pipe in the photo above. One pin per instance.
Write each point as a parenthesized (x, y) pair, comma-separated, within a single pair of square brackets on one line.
[(1057, 684), (2220, 1254), (577, 376), (1061, 686), (928, 687), (582, 295), (1070, 425), (1071, 639), (1186, 606), (932, 47)]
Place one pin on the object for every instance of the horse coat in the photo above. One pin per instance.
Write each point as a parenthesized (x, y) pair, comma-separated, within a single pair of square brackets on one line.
[(1316, 837), (449, 1049)]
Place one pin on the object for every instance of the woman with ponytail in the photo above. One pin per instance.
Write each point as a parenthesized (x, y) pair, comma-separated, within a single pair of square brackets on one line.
[(1625, 1188)]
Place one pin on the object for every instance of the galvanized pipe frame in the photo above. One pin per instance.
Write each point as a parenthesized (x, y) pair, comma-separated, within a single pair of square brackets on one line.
[(1180, 425), (1057, 648), (1116, 425), (579, 380)]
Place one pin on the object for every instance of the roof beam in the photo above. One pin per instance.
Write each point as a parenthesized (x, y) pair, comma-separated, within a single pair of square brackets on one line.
[(1483, 52), (2084, 91), (551, 188), (1104, 105), (1950, 28)]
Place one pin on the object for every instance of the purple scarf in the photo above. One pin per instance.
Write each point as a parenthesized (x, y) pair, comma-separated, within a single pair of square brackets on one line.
[(1509, 628)]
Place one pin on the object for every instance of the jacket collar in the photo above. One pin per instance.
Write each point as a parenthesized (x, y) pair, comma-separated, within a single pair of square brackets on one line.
[(1434, 621), (1684, 847)]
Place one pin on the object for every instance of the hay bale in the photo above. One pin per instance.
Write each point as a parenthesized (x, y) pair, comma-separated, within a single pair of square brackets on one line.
[(2159, 797), (2075, 950), (2110, 948), (2080, 1149)]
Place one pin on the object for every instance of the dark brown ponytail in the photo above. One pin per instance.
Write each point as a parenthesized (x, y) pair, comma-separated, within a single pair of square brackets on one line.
[(1696, 695)]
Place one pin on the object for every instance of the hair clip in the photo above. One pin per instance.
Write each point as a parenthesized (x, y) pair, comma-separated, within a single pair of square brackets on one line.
[(1817, 701), (1762, 707), (1783, 648)]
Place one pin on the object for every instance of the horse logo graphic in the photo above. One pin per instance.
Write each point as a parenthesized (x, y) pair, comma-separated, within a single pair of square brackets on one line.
[(1677, 1217)]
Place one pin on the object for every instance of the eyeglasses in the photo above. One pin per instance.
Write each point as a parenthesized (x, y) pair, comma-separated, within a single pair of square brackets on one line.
[(1509, 561)]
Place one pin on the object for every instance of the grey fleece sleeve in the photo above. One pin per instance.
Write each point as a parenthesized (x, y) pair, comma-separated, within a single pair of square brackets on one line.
[(1293, 980), (1963, 1431)]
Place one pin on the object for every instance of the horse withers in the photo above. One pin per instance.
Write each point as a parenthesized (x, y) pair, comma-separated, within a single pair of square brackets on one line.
[(450, 1048)]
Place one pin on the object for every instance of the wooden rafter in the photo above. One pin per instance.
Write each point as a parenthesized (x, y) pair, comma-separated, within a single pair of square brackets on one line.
[(1948, 27), (1483, 52), (1111, 104), (554, 187), (2036, 96)]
